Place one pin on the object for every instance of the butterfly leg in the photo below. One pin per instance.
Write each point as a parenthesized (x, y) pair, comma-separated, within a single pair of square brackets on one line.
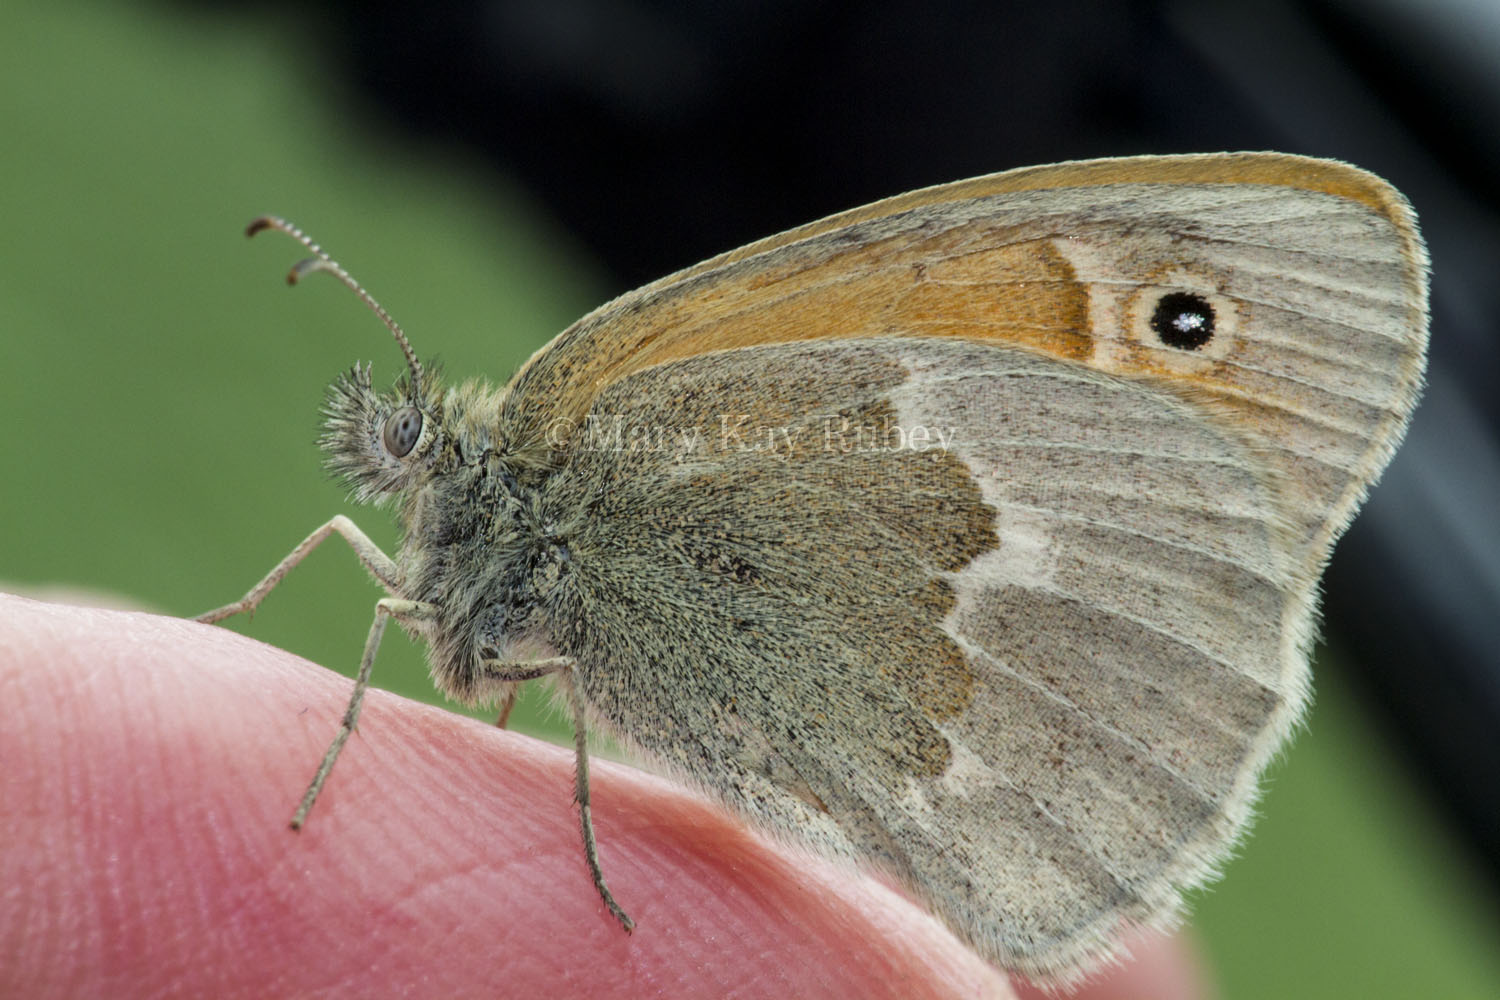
[(502, 681), (380, 565), (507, 704), (385, 609), (567, 670), (581, 795)]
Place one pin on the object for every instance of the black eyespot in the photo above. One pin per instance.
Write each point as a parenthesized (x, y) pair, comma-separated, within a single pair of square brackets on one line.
[(1183, 320), (402, 429)]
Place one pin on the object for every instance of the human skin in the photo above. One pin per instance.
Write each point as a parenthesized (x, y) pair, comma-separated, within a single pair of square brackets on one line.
[(149, 766)]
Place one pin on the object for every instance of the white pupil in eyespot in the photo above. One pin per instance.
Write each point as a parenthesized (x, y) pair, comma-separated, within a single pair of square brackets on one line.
[(402, 429)]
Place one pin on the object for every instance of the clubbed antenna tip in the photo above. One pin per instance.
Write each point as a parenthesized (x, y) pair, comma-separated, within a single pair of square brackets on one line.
[(320, 261)]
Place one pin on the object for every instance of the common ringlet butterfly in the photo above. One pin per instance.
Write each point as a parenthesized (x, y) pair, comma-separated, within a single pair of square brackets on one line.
[(973, 535)]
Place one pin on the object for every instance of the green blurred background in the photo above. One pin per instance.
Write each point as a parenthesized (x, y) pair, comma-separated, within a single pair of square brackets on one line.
[(163, 388)]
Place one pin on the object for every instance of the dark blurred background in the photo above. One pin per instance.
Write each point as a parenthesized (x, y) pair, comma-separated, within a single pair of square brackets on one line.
[(640, 137)]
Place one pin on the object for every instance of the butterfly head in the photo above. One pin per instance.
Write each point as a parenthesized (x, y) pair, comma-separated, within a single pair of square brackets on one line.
[(383, 443)]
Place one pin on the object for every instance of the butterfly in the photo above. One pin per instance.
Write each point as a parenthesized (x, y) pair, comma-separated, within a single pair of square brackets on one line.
[(973, 535)]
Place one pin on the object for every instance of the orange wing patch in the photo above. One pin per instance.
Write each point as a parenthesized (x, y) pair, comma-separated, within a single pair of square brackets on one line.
[(940, 263)]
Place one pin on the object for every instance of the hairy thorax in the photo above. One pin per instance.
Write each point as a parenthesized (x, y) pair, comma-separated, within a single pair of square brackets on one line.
[(478, 547)]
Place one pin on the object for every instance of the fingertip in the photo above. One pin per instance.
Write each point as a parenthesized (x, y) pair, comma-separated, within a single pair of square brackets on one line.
[(1155, 964), (443, 856)]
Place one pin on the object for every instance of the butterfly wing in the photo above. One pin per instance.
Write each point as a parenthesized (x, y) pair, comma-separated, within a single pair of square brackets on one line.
[(915, 535)]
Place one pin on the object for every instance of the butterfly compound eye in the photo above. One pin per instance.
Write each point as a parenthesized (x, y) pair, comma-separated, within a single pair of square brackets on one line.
[(402, 429)]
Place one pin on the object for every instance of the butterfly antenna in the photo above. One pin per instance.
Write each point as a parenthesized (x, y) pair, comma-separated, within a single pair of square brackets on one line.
[(320, 261)]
